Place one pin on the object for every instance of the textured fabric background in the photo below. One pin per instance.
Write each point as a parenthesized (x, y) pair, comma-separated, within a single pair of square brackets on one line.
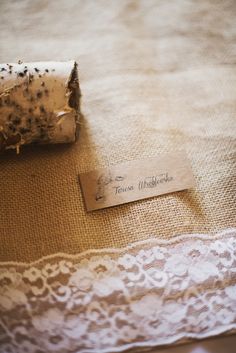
[(156, 76)]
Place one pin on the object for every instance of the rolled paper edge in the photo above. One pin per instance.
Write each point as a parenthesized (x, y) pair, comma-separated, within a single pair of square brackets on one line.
[(65, 129)]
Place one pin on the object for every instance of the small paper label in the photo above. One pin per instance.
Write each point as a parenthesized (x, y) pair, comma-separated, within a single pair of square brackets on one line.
[(136, 180)]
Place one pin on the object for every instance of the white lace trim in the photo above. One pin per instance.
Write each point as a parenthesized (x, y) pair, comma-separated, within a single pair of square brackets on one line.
[(150, 293)]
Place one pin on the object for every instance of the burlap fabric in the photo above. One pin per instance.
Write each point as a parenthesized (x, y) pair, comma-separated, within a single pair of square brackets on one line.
[(156, 76)]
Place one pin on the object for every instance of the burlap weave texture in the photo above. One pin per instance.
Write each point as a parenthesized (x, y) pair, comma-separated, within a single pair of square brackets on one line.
[(156, 77)]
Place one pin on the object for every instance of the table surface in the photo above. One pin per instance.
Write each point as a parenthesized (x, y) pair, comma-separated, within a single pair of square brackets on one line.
[(156, 65)]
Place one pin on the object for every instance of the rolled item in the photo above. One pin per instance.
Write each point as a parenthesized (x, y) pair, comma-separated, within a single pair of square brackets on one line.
[(39, 103)]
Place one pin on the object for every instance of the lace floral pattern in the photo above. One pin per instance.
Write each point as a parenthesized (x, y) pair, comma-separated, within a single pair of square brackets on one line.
[(151, 293)]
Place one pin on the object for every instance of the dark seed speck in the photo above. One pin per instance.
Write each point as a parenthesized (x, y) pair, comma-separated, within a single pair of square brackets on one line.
[(7, 100), (42, 109), (11, 127), (23, 130), (39, 94), (16, 120)]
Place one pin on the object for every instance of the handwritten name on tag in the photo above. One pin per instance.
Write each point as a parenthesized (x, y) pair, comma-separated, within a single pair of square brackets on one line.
[(136, 180)]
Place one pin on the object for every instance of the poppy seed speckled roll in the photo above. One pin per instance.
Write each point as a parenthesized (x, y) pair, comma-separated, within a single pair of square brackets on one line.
[(39, 103)]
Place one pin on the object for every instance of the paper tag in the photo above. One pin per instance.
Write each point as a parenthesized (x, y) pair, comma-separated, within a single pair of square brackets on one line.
[(136, 180)]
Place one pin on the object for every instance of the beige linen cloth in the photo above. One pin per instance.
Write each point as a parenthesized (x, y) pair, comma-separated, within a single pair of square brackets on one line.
[(156, 76)]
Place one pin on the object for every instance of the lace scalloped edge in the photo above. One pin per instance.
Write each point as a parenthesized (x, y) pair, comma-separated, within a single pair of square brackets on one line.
[(149, 241), (150, 293)]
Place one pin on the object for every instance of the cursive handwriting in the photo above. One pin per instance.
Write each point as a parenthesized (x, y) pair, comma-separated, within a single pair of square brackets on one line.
[(120, 189), (145, 183), (153, 181)]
